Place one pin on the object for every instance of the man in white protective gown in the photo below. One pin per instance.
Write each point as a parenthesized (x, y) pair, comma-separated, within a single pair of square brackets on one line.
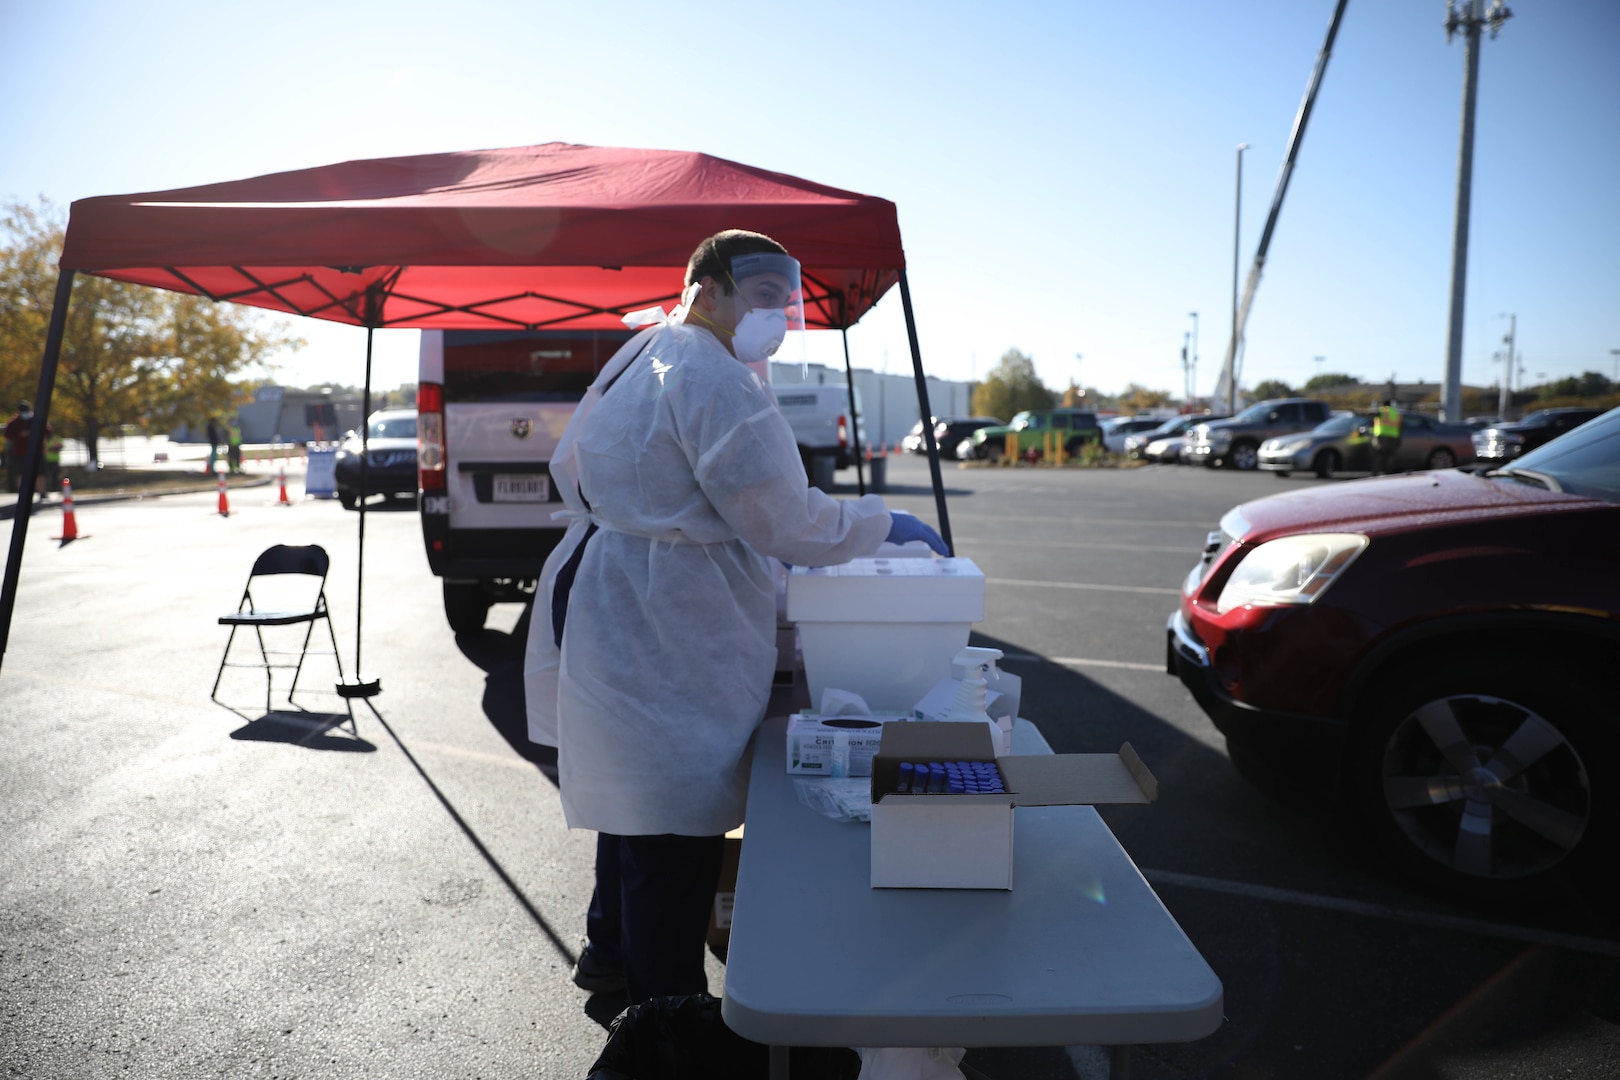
[(652, 645)]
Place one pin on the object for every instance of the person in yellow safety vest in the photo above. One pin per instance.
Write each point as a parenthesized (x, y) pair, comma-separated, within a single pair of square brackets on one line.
[(53, 463), (233, 450), (1386, 435)]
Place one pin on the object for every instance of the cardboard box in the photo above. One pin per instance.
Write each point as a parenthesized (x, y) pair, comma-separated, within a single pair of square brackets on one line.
[(810, 742), (725, 896), (885, 629), (966, 841)]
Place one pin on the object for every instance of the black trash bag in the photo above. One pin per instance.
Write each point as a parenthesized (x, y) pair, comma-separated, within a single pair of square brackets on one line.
[(684, 1038)]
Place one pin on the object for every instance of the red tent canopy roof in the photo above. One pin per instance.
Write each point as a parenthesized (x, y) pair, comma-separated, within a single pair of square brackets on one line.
[(555, 235)]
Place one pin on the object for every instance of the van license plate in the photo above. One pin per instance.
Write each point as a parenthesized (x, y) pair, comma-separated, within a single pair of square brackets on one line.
[(522, 488)]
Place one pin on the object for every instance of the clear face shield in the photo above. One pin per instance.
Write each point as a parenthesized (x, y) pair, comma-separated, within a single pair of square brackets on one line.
[(768, 309)]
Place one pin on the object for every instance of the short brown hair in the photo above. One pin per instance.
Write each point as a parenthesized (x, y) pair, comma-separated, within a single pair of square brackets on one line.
[(713, 257)]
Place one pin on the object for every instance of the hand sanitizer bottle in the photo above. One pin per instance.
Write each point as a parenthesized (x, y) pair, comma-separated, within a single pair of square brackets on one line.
[(969, 703)]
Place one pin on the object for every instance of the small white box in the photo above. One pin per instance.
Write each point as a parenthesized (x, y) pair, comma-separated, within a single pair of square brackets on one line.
[(885, 629), (966, 841), (810, 742)]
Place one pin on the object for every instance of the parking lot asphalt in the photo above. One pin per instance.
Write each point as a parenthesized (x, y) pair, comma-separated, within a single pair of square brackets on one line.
[(193, 891)]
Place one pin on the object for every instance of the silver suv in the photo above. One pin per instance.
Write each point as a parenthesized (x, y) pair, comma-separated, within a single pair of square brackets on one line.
[(1235, 442)]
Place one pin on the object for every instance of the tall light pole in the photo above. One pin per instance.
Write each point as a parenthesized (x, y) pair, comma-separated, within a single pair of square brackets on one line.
[(1079, 384), (1194, 376), (1616, 354), (1505, 397), (1466, 16), (1237, 232), (1186, 366)]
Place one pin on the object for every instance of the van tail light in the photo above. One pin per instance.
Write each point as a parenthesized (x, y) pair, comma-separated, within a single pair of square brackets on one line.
[(430, 455), (843, 433)]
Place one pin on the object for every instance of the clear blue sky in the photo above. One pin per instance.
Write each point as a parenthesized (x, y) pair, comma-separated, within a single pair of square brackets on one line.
[(1064, 171)]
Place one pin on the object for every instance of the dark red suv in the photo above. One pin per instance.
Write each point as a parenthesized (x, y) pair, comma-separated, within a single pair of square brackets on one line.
[(1435, 653)]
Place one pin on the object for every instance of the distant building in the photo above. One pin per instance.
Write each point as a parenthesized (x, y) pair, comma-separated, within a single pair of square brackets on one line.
[(278, 413), (889, 402)]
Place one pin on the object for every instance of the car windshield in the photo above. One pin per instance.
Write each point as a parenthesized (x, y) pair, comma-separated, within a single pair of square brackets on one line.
[(1584, 462), (1174, 426), (1536, 419), (1339, 425), (1254, 414), (393, 427)]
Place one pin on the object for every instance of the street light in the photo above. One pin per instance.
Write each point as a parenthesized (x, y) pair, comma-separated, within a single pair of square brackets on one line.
[(1504, 397), (1193, 381), (1616, 354), (1078, 384)]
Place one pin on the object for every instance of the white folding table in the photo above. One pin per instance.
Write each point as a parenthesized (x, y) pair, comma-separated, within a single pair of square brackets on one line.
[(1079, 952)]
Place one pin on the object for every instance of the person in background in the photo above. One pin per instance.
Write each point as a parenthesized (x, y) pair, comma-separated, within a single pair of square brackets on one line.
[(17, 432), (652, 644), (1386, 437), (52, 473), (216, 438), (233, 450)]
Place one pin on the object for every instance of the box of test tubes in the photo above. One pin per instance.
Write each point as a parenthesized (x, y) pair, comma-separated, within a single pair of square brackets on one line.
[(943, 804), (885, 629)]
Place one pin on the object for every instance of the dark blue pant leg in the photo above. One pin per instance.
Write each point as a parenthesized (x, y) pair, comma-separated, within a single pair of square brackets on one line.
[(667, 886), (602, 919)]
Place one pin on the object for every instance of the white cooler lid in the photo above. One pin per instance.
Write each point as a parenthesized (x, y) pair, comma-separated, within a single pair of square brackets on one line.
[(887, 590)]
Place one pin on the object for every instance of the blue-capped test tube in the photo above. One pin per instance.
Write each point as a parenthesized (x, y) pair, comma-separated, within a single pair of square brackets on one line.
[(936, 778), (906, 771)]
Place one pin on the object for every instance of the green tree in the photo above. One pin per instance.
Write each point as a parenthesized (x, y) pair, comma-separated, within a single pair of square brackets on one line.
[(1272, 388), (1138, 398), (1011, 387), (130, 354), (1329, 379), (1594, 384)]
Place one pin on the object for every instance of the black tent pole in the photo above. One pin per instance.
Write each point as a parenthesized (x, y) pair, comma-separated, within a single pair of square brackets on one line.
[(927, 414), (36, 446), (854, 415), (362, 687)]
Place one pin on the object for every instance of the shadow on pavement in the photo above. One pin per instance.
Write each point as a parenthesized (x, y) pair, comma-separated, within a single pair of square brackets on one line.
[(311, 730), (500, 656)]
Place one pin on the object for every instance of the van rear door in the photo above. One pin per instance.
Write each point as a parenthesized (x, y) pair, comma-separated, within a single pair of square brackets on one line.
[(506, 397)]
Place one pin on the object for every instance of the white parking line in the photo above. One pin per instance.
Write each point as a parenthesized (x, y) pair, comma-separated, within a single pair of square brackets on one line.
[(1081, 661), (1087, 585), (1456, 923), (1189, 550)]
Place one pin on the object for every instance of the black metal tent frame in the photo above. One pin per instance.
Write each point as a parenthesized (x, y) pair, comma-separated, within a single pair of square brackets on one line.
[(366, 308)]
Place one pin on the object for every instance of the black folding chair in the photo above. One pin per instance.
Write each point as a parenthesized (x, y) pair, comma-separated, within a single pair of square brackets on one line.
[(281, 560)]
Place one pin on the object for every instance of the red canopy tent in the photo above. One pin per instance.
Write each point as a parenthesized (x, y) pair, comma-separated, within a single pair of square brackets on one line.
[(547, 236)]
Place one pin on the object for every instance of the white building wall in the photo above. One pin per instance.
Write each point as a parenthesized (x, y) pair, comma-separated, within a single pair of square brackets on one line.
[(889, 400)]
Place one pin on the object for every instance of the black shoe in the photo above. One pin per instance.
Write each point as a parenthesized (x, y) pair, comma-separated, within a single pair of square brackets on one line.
[(592, 975)]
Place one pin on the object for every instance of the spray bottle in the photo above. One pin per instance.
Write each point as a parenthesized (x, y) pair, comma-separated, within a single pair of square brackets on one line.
[(969, 704)]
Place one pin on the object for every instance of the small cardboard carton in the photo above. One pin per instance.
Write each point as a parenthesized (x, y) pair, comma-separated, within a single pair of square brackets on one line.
[(966, 841), (811, 738), (725, 896)]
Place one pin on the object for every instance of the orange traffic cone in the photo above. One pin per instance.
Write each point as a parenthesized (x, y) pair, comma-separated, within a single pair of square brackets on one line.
[(70, 523), (224, 503), (282, 500)]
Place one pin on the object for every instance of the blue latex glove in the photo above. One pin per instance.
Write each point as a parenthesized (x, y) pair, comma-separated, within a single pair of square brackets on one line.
[(904, 527)]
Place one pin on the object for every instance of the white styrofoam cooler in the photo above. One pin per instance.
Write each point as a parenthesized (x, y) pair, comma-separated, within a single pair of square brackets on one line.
[(885, 629)]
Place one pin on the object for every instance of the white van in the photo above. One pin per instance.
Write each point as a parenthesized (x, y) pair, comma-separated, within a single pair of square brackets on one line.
[(491, 406)]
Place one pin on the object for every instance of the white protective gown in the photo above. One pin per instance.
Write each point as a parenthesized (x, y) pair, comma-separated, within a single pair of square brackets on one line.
[(692, 475)]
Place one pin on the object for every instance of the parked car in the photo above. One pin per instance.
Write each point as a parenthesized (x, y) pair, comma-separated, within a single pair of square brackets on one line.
[(1235, 442), (1430, 655), (1504, 442), (1074, 428), (1166, 440), (1343, 443), (390, 458), (1117, 430), (948, 433), (1478, 423)]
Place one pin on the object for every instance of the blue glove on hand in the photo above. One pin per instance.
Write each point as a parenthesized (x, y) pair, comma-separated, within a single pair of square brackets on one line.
[(904, 527)]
